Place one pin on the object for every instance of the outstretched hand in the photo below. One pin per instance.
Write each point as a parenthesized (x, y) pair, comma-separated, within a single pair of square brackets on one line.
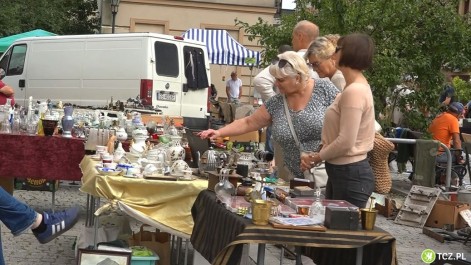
[(211, 134)]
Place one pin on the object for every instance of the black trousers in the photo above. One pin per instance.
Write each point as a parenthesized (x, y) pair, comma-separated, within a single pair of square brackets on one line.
[(350, 182)]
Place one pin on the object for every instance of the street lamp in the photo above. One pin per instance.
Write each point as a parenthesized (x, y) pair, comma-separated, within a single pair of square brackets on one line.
[(114, 11)]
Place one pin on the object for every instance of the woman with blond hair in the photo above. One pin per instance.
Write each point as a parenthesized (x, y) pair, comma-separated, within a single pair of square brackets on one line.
[(319, 54), (302, 100)]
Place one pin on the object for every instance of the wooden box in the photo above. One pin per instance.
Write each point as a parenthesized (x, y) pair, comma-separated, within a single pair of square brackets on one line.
[(213, 179), (447, 213)]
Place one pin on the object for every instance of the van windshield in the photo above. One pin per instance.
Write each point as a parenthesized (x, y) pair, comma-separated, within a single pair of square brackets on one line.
[(166, 59)]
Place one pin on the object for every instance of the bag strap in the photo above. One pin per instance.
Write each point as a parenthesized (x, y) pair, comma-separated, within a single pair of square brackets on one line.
[(290, 123)]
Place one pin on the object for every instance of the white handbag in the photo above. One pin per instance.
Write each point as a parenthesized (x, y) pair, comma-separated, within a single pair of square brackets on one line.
[(317, 174)]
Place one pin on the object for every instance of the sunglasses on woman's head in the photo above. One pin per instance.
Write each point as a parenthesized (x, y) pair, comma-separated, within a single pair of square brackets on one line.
[(282, 63)]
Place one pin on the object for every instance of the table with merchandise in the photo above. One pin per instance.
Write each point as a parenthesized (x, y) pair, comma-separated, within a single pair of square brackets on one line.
[(219, 235), (160, 203)]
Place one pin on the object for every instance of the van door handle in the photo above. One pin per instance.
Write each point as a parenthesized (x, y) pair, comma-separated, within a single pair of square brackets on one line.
[(21, 83)]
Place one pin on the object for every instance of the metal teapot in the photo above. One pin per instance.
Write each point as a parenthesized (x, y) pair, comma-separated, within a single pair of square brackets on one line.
[(209, 161)]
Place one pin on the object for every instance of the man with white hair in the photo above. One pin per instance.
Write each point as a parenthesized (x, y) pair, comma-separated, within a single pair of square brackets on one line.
[(304, 33)]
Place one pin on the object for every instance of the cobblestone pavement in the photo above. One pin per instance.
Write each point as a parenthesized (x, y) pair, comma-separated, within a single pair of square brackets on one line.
[(25, 249)]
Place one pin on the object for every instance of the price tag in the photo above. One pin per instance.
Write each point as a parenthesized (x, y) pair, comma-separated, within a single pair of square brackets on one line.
[(466, 214), (379, 198)]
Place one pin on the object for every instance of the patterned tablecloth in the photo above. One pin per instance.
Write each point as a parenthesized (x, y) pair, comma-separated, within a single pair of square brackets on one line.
[(40, 157), (219, 235), (160, 203)]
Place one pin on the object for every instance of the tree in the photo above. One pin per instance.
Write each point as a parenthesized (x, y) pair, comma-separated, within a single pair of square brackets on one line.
[(416, 40), (57, 16)]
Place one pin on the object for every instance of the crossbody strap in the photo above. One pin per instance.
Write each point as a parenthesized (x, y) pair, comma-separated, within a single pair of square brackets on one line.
[(290, 123)]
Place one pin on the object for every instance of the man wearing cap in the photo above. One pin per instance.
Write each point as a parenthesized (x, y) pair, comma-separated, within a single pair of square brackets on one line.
[(445, 128)]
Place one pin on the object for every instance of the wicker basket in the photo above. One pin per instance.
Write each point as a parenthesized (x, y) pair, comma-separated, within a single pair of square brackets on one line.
[(379, 164)]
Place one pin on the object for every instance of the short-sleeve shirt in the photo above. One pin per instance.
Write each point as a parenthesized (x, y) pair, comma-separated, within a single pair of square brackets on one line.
[(448, 92), (234, 87), (3, 98), (443, 127), (307, 123)]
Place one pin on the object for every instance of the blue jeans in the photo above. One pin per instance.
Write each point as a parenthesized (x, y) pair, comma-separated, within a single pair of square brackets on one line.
[(16, 216), (442, 158), (351, 182)]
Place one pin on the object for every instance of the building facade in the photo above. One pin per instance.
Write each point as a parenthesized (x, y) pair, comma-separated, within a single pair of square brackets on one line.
[(174, 17)]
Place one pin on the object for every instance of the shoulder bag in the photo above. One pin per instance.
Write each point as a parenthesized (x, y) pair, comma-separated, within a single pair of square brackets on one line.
[(316, 173)]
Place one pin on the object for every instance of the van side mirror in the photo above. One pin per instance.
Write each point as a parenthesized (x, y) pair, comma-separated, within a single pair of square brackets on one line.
[(2, 73)]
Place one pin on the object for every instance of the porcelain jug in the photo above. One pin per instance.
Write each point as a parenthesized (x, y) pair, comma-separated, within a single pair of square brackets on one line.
[(175, 151), (121, 134)]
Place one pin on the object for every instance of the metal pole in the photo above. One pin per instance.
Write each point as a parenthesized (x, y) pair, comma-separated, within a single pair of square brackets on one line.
[(113, 21), (447, 152)]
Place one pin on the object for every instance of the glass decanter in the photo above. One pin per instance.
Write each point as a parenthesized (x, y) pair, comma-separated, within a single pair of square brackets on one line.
[(317, 208), (224, 189)]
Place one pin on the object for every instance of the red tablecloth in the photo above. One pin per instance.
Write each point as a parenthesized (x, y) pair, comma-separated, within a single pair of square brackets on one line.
[(38, 157)]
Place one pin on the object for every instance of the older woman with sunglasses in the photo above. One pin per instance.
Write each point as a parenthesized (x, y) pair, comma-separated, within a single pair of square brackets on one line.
[(319, 54), (349, 126), (306, 100)]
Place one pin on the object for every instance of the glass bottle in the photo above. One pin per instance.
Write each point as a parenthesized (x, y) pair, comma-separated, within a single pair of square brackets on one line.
[(32, 122), (5, 126), (316, 208), (15, 125)]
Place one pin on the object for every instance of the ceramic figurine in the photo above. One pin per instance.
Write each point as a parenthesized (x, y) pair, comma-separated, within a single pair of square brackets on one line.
[(121, 134)]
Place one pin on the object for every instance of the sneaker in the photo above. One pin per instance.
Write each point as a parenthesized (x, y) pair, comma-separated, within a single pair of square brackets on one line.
[(57, 223)]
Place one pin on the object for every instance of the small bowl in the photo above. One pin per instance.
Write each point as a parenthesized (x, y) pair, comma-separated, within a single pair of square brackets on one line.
[(109, 171), (110, 165)]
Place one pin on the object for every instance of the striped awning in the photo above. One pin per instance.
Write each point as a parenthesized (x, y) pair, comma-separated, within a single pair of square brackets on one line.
[(222, 48)]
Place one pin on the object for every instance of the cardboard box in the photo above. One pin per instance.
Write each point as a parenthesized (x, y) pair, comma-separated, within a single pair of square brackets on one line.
[(158, 119), (158, 242), (246, 137), (447, 212)]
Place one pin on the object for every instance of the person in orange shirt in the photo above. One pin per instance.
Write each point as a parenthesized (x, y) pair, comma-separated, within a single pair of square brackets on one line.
[(445, 128)]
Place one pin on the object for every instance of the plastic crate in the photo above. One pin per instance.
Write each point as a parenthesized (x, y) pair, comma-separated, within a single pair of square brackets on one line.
[(150, 260)]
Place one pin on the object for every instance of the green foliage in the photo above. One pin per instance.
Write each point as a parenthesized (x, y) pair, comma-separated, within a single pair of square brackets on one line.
[(462, 89), (415, 40), (57, 16)]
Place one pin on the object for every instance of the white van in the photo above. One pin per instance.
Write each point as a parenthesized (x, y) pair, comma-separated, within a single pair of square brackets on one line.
[(169, 73)]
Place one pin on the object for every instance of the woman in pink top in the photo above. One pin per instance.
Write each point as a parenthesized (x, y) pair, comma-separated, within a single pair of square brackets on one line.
[(6, 92), (349, 126)]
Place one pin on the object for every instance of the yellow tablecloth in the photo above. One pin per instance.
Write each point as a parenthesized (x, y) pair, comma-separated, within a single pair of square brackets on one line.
[(166, 202)]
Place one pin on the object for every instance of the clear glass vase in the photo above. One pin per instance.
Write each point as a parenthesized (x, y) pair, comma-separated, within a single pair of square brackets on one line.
[(224, 189), (5, 126)]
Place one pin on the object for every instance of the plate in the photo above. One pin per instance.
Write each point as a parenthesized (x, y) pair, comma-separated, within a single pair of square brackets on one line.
[(109, 171), (187, 179), (160, 177)]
